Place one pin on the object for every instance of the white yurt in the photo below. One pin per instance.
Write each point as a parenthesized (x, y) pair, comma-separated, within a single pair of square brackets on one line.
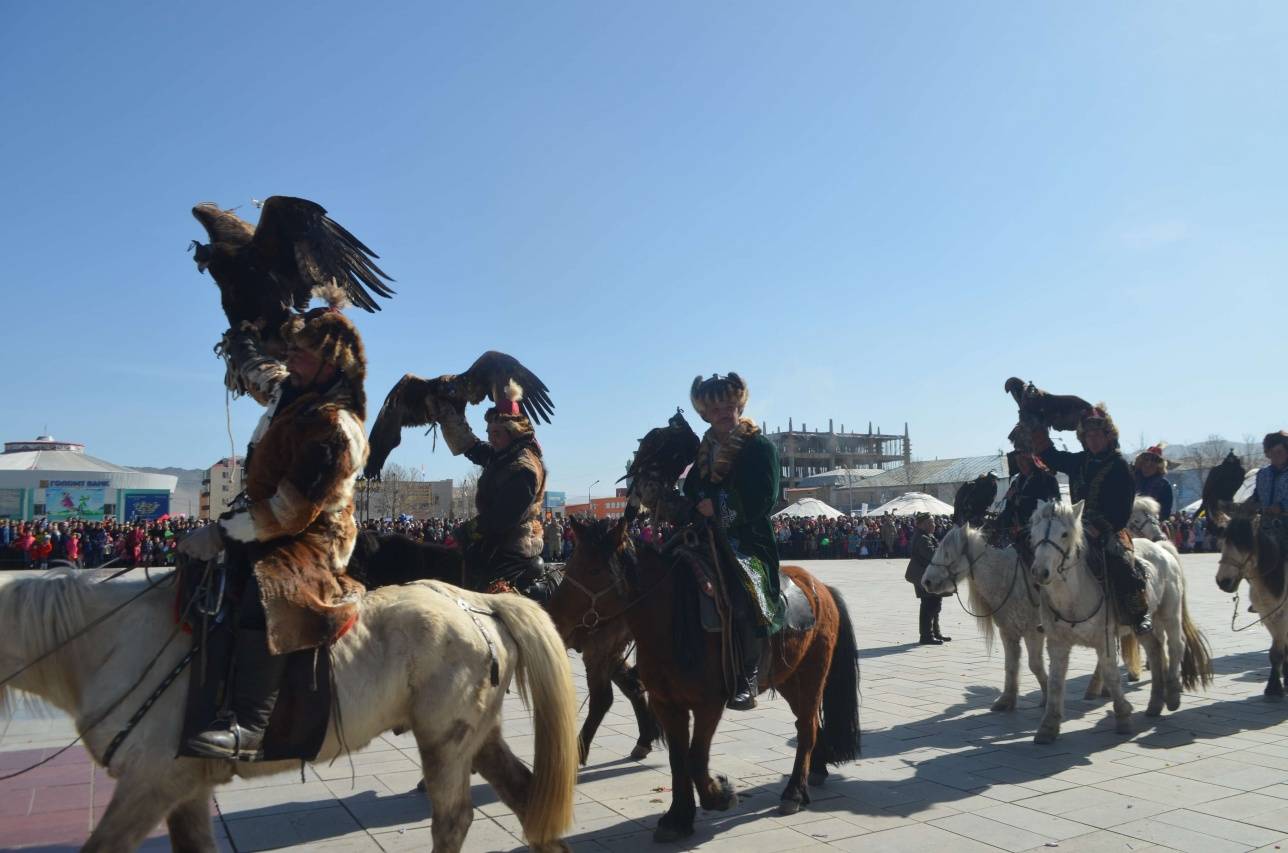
[(808, 508), (912, 503)]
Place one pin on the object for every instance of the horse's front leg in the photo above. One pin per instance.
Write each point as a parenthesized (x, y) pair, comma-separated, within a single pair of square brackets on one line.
[(1033, 643), (677, 823), (1011, 686), (714, 794), (627, 679), (189, 825), (1108, 666), (143, 797), (1274, 685), (1049, 728), (599, 688), (1158, 670)]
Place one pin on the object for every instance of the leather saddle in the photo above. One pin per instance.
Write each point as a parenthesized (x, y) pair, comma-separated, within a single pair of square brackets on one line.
[(300, 718)]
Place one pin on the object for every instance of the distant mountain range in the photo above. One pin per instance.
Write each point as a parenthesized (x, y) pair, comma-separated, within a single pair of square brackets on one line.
[(187, 492)]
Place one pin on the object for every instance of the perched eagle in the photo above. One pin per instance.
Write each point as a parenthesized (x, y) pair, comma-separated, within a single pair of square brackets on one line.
[(294, 253), (1219, 488), (974, 498), (1039, 408), (410, 403), (663, 455)]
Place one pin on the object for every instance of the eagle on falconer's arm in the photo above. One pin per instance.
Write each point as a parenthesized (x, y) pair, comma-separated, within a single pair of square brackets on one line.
[(1039, 409), (268, 271)]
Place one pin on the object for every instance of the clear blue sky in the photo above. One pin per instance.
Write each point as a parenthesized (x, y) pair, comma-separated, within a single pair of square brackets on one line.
[(874, 212)]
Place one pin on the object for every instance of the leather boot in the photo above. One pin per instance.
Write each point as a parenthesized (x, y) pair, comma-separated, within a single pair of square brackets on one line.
[(751, 645), (257, 676), (1143, 624), (925, 621), (934, 631)]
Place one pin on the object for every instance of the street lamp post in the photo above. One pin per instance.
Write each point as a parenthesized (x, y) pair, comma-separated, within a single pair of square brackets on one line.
[(590, 507)]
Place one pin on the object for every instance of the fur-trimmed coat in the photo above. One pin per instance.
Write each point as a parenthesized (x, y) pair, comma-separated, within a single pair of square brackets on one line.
[(300, 525), (510, 496)]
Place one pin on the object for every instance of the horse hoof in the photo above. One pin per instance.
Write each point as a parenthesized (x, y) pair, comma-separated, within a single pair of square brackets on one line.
[(1154, 709), (1003, 704), (817, 778), (787, 807), (723, 799), (640, 751), (1173, 702), (1133, 678), (1046, 735)]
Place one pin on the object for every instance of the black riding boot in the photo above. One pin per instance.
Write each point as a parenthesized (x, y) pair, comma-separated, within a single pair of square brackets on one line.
[(256, 678), (751, 645), (934, 631)]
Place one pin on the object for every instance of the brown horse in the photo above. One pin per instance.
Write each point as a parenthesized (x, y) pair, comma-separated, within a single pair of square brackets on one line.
[(608, 579)]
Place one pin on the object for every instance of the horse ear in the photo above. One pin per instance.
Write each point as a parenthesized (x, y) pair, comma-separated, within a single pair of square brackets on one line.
[(1077, 510)]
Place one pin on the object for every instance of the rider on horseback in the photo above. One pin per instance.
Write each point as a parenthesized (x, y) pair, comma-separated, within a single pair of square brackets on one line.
[(1150, 467), (734, 481), (1032, 483), (504, 542), (1271, 494), (1100, 477), (289, 542)]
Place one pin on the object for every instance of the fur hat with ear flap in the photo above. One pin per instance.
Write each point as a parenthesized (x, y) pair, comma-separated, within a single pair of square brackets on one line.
[(1097, 417), (1156, 454), (508, 413), (707, 393), (334, 339)]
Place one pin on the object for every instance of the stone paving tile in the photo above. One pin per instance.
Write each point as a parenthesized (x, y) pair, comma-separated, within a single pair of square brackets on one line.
[(939, 770)]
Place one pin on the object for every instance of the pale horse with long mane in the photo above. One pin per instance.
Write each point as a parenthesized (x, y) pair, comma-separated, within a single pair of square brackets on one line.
[(1001, 597), (1145, 522), (1077, 610), (1243, 557), (416, 661)]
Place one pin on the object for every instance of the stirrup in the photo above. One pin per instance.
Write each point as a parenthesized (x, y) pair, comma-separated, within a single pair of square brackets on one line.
[(1144, 626), (246, 745)]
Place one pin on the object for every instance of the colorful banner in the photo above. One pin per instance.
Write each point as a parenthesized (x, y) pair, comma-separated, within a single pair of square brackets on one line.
[(64, 504), (144, 506)]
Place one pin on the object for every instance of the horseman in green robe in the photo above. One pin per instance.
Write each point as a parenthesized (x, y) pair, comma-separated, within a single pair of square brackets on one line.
[(734, 482)]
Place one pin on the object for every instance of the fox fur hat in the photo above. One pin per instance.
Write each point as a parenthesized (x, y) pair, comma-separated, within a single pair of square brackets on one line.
[(706, 393), (1097, 417), (334, 339), (1155, 453), (508, 412)]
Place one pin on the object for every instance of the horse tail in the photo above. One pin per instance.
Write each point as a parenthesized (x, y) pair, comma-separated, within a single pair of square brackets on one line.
[(1130, 648), (545, 683), (1196, 663), (840, 734)]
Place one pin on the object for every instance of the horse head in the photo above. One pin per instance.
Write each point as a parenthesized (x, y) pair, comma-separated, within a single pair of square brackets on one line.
[(1144, 522), (596, 584), (1055, 532), (1245, 554), (951, 562)]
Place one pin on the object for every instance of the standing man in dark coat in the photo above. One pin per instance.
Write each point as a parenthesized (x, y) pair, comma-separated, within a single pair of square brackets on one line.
[(923, 551), (1100, 477)]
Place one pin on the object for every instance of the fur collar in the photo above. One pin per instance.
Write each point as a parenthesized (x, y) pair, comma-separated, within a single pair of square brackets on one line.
[(716, 455)]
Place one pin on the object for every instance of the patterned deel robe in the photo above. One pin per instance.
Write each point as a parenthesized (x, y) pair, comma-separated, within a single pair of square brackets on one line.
[(743, 497), (300, 524)]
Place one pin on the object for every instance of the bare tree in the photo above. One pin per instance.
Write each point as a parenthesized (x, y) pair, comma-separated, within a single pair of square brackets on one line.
[(1252, 453), (1206, 455), (463, 495), (391, 497)]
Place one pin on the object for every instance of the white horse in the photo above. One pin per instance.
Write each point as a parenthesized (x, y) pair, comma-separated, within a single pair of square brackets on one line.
[(416, 660), (1242, 559), (1001, 596), (1144, 522), (1076, 610)]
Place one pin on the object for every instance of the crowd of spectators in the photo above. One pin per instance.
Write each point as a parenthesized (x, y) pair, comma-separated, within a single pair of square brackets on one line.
[(847, 538), (1189, 534), (37, 544)]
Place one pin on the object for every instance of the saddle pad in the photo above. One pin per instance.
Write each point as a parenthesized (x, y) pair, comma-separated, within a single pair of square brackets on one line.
[(799, 616)]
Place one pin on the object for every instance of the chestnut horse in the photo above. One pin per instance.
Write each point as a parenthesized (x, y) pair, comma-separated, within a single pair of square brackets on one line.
[(609, 578)]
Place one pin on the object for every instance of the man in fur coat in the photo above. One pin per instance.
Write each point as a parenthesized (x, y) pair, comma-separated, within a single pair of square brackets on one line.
[(1150, 468), (734, 482), (1032, 483), (1100, 477), (504, 542), (290, 540)]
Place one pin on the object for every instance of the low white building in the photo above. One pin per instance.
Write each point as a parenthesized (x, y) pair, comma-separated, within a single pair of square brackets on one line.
[(47, 478)]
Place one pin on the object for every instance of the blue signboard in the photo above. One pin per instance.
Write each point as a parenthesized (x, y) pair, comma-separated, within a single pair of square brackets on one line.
[(145, 506), (556, 500)]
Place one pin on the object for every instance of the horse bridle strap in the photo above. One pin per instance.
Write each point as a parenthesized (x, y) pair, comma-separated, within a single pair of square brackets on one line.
[(1064, 554)]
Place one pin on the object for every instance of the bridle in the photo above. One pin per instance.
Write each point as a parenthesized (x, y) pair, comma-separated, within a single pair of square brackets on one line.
[(1047, 540), (591, 618), (1244, 575), (1061, 569), (970, 573)]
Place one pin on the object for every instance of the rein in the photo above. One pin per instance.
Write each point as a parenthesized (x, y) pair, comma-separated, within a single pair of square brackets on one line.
[(1061, 569), (1283, 599), (591, 619), (970, 572)]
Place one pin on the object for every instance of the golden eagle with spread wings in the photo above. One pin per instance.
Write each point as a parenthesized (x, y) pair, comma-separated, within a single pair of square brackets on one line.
[(295, 252), (413, 400)]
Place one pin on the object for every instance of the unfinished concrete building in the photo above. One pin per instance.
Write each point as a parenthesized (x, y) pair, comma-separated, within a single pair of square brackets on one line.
[(803, 453)]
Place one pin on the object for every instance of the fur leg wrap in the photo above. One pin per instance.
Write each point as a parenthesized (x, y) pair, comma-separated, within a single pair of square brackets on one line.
[(456, 431)]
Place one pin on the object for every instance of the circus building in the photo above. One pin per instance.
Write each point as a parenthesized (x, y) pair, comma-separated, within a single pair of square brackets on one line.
[(58, 480)]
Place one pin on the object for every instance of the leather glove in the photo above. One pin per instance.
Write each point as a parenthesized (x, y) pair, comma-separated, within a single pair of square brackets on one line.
[(203, 544), (456, 430)]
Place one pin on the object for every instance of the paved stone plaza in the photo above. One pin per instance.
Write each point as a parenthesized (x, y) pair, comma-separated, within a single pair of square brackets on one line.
[(939, 772)]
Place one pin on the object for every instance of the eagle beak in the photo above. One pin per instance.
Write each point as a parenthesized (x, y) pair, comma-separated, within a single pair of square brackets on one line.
[(201, 262)]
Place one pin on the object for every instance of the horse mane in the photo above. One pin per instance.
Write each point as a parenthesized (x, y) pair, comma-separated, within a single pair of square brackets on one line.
[(42, 612), (1147, 505), (1242, 534), (971, 536)]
